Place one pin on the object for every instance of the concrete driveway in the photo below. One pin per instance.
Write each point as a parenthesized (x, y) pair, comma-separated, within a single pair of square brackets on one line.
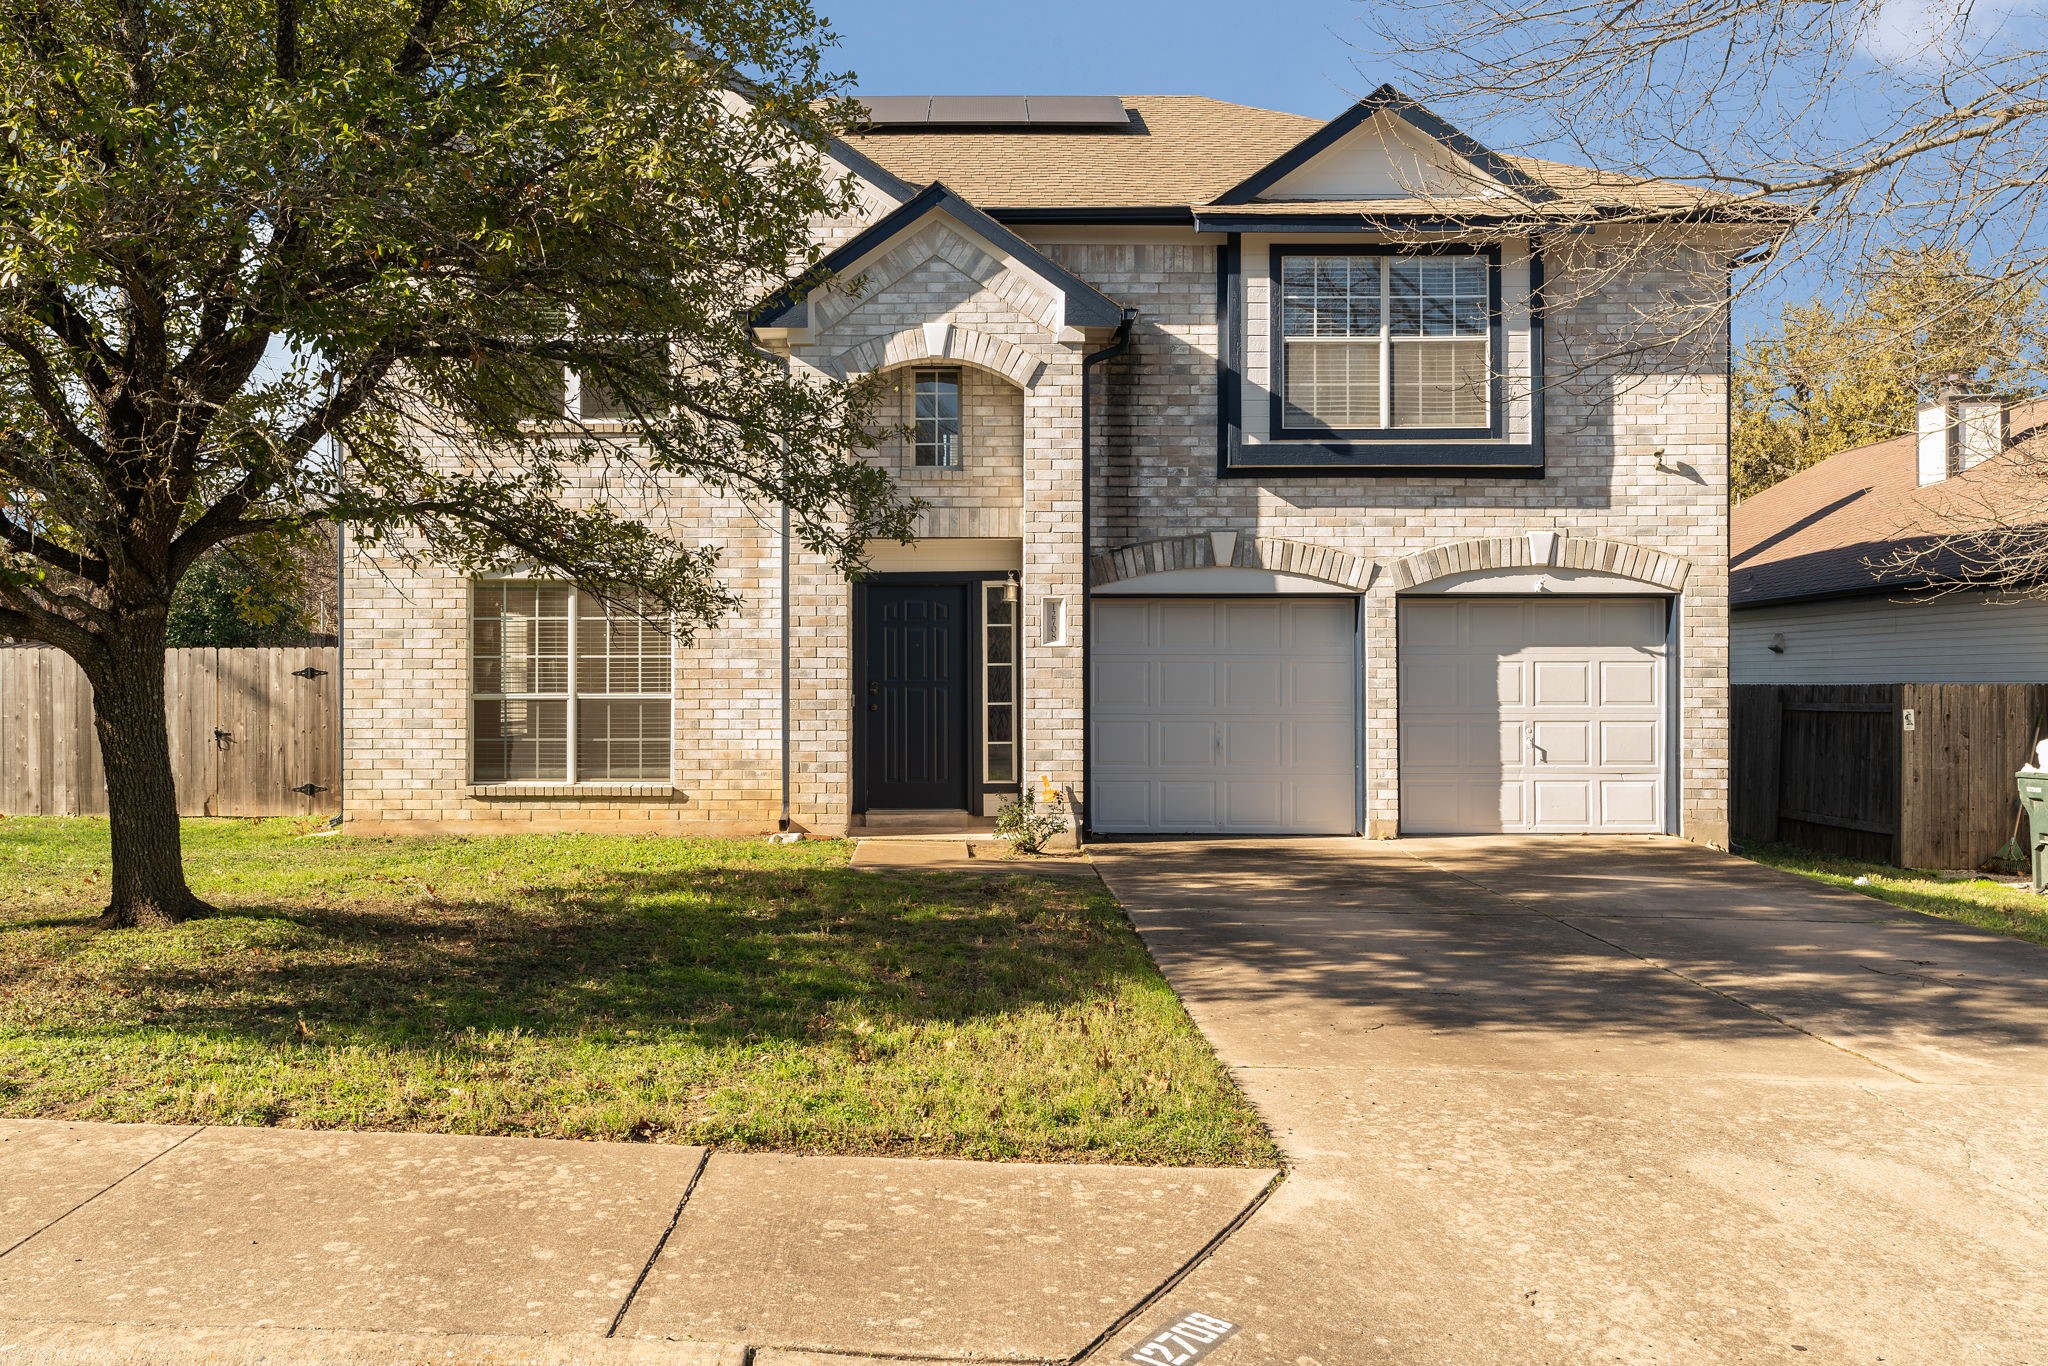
[(1607, 1100)]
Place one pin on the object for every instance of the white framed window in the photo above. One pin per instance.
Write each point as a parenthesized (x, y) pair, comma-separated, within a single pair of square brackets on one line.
[(590, 400), (582, 395), (999, 683), (567, 687), (1384, 341), (935, 419)]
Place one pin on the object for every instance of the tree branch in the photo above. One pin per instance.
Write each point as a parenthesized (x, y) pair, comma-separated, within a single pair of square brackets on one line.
[(225, 520), (415, 53), (287, 40), (26, 621), (75, 563), (97, 360), (42, 388)]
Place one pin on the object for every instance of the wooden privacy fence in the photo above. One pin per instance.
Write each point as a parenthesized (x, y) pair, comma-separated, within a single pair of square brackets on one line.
[(1915, 774), (253, 733)]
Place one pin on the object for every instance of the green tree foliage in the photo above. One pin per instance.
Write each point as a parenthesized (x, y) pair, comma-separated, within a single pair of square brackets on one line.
[(1824, 380), (265, 263), (248, 593)]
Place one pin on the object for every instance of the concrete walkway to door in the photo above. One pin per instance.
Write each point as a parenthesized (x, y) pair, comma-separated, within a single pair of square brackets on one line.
[(1607, 1100)]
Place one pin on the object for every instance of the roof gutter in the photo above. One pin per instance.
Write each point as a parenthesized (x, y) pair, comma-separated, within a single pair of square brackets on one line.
[(1904, 588), (1141, 215), (1118, 345)]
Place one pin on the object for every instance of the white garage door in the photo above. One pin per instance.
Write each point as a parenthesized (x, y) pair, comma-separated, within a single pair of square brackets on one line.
[(1235, 716), (1533, 714)]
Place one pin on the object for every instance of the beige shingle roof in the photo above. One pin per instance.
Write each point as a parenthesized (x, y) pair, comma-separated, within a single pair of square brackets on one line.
[(1820, 531), (1193, 149)]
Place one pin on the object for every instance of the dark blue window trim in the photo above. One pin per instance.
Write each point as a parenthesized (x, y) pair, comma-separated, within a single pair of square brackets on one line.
[(1407, 458), (1229, 331), (1496, 352)]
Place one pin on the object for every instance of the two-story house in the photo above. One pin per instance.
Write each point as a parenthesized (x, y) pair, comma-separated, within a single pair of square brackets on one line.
[(1280, 477)]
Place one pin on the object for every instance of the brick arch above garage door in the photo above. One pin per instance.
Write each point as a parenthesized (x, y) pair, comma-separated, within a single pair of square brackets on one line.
[(1229, 550), (1542, 550)]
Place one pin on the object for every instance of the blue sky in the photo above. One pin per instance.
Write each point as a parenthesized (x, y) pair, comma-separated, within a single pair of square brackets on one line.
[(1294, 56)]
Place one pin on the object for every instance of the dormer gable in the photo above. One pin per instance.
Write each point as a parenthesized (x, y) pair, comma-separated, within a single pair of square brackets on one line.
[(1386, 146), (837, 282)]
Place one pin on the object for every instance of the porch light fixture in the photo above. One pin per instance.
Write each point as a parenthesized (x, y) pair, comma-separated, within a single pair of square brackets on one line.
[(1008, 590)]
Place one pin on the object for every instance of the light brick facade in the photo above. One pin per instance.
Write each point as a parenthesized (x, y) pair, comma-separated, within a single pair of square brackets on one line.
[(1637, 365), (1634, 482)]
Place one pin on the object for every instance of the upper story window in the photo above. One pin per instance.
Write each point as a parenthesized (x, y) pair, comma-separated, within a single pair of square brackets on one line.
[(935, 419), (592, 394), (1374, 341), (591, 400), (566, 687)]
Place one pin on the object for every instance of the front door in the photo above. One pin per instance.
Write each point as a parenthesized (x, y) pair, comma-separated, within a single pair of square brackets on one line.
[(913, 700)]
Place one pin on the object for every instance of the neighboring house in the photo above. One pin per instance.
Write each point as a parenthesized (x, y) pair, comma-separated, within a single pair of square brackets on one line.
[(1281, 476), (1811, 599)]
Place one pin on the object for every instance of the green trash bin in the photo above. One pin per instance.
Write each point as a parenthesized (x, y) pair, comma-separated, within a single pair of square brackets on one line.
[(2034, 797)]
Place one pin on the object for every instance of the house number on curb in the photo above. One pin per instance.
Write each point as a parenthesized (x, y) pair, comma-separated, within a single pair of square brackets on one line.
[(1185, 1343)]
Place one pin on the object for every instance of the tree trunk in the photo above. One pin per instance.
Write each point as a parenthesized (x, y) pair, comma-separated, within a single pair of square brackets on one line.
[(142, 800)]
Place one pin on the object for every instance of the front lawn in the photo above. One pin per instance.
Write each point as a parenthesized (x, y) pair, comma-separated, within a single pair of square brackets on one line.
[(1982, 902), (706, 991)]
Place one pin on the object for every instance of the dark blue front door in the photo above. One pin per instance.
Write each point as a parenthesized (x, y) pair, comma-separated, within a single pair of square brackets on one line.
[(914, 698)]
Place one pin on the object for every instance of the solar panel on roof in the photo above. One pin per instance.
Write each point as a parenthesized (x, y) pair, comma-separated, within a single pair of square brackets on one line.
[(1100, 110), (884, 110), (996, 111), (980, 109)]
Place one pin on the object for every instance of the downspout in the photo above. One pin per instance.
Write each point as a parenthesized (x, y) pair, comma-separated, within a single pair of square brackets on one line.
[(341, 638), (783, 817), (783, 821), (340, 673), (1118, 344)]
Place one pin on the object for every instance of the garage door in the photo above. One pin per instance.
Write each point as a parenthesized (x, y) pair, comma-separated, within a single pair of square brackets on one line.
[(1235, 716), (1534, 714)]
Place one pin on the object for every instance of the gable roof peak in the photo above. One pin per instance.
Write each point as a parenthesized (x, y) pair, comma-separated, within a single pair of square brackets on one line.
[(1386, 100), (1086, 306)]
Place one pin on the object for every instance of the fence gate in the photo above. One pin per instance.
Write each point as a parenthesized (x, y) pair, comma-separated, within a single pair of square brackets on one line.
[(1818, 767), (1917, 774), (254, 732)]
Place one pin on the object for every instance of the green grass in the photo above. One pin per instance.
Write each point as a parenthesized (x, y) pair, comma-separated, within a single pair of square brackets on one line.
[(705, 991), (1988, 905)]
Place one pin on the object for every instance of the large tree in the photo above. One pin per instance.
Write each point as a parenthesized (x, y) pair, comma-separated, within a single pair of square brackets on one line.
[(271, 263)]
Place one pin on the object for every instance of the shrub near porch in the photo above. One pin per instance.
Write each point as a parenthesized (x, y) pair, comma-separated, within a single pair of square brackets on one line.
[(727, 992)]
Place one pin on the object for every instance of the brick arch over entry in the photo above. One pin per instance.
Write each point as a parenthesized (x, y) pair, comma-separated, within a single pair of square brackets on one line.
[(1228, 550), (1542, 550), (943, 341)]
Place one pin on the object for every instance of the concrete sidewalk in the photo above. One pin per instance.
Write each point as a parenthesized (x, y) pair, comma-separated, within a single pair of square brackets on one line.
[(161, 1244)]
